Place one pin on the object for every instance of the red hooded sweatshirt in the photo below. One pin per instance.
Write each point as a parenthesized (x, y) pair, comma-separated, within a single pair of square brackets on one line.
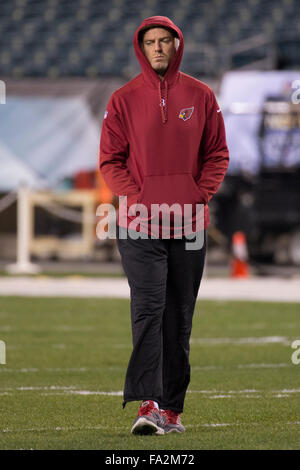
[(163, 141)]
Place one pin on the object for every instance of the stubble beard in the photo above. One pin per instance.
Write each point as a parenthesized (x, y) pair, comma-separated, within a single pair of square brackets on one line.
[(161, 69)]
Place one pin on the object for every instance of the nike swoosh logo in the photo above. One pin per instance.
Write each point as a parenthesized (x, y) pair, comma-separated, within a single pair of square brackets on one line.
[(218, 110)]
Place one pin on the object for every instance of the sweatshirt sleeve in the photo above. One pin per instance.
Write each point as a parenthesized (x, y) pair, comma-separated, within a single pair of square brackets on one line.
[(114, 149), (213, 151)]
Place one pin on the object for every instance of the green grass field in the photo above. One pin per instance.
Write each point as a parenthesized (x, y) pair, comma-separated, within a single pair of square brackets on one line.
[(64, 356)]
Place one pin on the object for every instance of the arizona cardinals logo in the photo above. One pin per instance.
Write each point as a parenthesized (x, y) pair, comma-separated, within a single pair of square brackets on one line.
[(186, 113)]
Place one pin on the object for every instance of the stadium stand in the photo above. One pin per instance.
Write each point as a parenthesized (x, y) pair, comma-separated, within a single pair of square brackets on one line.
[(64, 58), (93, 38)]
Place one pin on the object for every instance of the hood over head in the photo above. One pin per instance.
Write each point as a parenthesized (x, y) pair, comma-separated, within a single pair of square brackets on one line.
[(149, 74)]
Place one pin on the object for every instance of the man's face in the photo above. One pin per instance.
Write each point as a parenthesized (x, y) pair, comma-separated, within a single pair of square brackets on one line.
[(159, 48)]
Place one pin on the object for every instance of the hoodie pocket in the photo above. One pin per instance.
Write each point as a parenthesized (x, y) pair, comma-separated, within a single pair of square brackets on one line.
[(178, 188)]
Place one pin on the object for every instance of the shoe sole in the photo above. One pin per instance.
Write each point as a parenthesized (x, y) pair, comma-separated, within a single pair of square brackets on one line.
[(174, 430), (145, 427)]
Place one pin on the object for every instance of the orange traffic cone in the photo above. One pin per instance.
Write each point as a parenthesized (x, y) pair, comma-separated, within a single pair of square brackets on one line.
[(104, 193), (239, 262)]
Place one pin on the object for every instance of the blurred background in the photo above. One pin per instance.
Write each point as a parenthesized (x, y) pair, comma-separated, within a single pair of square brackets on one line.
[(60, 61)]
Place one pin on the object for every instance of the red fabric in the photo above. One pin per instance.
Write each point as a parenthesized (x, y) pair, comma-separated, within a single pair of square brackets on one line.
[(175, 153), (146, 408), (171, 416)]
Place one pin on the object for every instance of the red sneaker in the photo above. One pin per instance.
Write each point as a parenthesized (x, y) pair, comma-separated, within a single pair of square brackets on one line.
[(149, 420), (172, 421)]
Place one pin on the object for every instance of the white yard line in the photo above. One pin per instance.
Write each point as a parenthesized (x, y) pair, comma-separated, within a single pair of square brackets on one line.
[(201, 341), (125, 428), (251, 340), (213, 394), (263, 366), (259, 289), (243, 366), (101, 428), (93, 392), (24, 370)]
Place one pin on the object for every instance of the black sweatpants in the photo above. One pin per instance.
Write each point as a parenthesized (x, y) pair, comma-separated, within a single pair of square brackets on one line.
[(164, 280)]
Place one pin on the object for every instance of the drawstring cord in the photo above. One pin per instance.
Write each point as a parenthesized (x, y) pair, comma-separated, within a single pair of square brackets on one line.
[(163, 104)]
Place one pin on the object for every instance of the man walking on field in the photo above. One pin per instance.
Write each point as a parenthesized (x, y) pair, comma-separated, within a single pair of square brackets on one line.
[(162, 146)]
